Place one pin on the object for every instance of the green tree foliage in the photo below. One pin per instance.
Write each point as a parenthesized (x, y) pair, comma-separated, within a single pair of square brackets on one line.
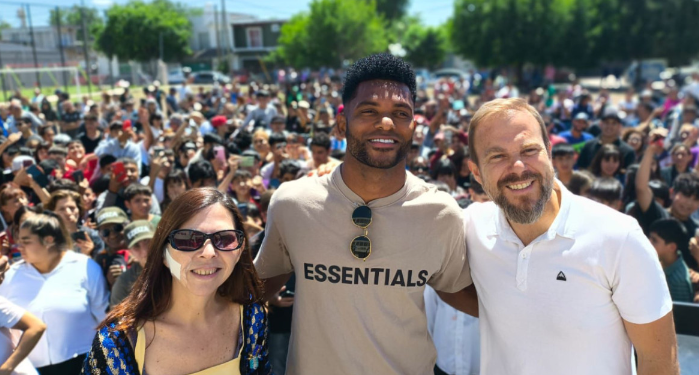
[(73, 17), (332, 32), (392, 10), (575, 33), (132, 31), (425, 47), (4, 25)]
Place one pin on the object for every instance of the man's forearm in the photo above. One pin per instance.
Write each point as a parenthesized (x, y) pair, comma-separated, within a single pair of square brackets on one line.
[(465, 300), (656, 367)]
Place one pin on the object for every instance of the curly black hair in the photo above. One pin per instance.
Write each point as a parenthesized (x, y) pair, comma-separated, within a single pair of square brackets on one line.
[(380, 66)]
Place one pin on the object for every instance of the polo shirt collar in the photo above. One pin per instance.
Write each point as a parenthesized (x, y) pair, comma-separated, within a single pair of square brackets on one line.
[(561, 225)]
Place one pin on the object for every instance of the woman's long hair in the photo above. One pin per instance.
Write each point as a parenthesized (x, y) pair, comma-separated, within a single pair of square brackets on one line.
[(152, 293), (607, 152)]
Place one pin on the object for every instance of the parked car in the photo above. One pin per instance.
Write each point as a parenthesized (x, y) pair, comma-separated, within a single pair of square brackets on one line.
[(207, 78), (175, 76)]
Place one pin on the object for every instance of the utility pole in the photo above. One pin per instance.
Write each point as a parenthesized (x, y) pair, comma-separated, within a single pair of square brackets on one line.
[(60, 47), (224, 25), (2, 78), (87, 58), (218, 34), (31, 34)]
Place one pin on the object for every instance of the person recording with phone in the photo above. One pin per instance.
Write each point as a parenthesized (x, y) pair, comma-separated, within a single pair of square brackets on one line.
[(684, 196), (113, 259), (67, 205), (120, 143), (124, 173), (138, 234), (64, 288)]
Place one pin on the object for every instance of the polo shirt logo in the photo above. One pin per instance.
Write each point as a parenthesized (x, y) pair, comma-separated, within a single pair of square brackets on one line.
[(561, 276)]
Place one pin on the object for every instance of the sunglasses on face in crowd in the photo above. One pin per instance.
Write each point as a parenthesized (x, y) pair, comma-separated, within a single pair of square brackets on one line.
[(360, 247), (193, 240), (116, 230)]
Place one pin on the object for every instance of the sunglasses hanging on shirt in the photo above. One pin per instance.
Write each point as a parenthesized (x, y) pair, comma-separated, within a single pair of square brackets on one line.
[(360, 247)]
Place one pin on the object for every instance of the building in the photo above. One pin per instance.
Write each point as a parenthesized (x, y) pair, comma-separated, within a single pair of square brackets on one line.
[(239, 40), (45, 37), (253, 41), (211, 39)]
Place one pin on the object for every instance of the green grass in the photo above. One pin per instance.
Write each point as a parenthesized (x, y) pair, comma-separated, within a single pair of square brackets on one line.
[(72, 90)]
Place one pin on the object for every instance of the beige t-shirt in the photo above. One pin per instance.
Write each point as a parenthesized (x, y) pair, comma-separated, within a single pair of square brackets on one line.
[(363, 317)]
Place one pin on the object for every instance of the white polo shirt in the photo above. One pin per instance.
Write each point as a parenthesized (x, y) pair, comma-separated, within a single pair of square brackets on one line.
[(556, 306), (72, 300)]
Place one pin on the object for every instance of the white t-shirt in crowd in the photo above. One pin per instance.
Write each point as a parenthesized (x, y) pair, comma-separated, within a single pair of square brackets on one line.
[(556, 306), (10, 314), (362, 317), (71, 300)]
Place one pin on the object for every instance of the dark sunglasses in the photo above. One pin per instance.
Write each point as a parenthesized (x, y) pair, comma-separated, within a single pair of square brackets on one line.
[(193, 240), (360, 247), (117, 229)]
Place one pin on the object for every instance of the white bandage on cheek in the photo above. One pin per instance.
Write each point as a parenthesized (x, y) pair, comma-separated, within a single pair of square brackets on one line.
[(175, 268)]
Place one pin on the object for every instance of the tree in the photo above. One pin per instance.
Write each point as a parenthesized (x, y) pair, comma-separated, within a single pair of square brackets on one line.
[(331, 33), (73, 17), (392, 10), (426, 47), (4, 25), (133, 31), (574, 33)]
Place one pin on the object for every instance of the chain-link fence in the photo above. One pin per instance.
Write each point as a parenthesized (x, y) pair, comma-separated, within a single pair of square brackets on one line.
[(42, 46)]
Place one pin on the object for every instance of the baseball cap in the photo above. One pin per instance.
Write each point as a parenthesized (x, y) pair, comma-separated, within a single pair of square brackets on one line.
[(304, 104), (137, 231), (18, 162), (252, 153), (188, 146), (581, 116), (263, 93), (611, 113), (61, 139), (218, 121), (111, 215), (276, 119), (58, 150), (213, 138)]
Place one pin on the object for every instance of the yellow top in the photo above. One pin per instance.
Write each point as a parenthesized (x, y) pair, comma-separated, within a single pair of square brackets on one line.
[(231, 367)]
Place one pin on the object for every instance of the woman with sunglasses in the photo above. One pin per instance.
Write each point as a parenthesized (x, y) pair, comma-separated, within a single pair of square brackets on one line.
[(63, 288), (194, 309)]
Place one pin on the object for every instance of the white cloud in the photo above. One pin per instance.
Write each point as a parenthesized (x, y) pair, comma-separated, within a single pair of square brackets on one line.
[(102, 2)]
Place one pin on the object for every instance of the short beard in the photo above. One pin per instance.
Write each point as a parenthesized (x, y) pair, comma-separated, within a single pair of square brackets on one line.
[(514, 213), (359, 151)]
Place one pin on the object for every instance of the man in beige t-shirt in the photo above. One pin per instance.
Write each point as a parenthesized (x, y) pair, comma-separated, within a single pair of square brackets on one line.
[(353, 313)]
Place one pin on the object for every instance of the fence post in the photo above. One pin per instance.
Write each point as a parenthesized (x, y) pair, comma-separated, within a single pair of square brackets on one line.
[(31, 34)]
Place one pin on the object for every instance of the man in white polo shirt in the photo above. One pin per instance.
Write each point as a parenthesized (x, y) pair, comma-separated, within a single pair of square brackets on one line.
[(565, 285)]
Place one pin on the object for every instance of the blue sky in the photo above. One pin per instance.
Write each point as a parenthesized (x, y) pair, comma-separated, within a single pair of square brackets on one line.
[(433, 12)]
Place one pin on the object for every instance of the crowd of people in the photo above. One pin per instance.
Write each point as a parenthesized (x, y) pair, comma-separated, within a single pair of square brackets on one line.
[(86, 185)]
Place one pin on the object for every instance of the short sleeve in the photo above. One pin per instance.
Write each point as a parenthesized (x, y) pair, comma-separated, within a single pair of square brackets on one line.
[(97, 291), (455, 273), (10, 313), (639, 288), (273, 258)]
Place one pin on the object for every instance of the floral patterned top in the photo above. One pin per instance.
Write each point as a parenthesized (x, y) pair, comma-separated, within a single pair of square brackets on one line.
[(113, 354)]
